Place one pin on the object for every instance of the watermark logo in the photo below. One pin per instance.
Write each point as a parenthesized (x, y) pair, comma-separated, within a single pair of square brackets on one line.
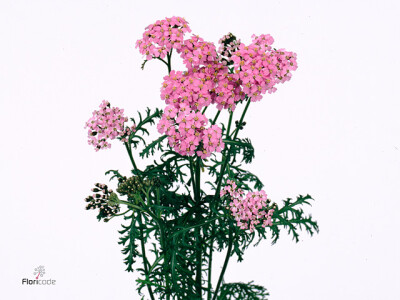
[(38, 272)]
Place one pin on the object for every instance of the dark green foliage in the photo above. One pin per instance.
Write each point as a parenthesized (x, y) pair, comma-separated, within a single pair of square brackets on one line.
[(115, 173), (128, 240), (175, 201), (291, 217), (174, 226), (242, 146), (153, 146), (140, 130), (245, 291), (169, 170), (182, 259), (245, 178)]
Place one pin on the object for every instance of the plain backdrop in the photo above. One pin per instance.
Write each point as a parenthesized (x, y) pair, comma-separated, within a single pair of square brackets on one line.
[(333, 131)]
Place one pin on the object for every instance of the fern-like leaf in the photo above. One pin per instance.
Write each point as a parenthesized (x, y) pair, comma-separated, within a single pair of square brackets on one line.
[(130, 234), (240, 290), (291, 217), (152, 147)]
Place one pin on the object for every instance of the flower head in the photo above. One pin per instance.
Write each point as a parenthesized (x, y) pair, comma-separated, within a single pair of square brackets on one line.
[(202, 86), (195, 52), (260, 67), (162, 36), (250, 210), (103, 199), (187, 132), (106, 124)]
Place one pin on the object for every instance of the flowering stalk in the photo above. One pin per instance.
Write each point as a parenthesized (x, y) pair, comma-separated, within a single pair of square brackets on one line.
[(129, 150), (168, 208), (226, 261), (145, 261)]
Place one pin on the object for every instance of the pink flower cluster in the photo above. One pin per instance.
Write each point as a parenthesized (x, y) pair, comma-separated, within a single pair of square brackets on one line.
[(184, 88), (187, 133), (107, 123), (260, 67), (200, 87), (212, 141), (162, 36), (257, 68), (195, 52), (250, 210), (186, 93)]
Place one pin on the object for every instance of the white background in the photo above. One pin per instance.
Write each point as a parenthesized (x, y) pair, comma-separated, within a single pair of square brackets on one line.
[(332, 132)]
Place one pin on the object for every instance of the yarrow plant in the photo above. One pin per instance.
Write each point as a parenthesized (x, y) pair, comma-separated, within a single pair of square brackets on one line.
[(196, 198)]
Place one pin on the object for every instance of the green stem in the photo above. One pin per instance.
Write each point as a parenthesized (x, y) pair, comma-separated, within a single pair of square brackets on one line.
[(226, 158), (242, 117), (129, 150), (192, 177), (212, 206), (169, 54), (219, 182), (222, 172), (198, 232), (159, 211), (228, 255), (173, 262), (197, 175), (216, 117), (162, 235), (194, 226), (210, 256), (149, 212), (228, 130), (118, 215), (145, 261), (168, 62), (164, 246), (163, 61)]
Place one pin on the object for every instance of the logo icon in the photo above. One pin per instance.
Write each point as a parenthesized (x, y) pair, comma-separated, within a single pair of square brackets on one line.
[(39, 271)]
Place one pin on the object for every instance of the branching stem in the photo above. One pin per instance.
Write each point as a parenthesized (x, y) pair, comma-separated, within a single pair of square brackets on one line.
[(219, 182), (198, 232), (129, 150), (228, 255), (216, 117), (145, 261)]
